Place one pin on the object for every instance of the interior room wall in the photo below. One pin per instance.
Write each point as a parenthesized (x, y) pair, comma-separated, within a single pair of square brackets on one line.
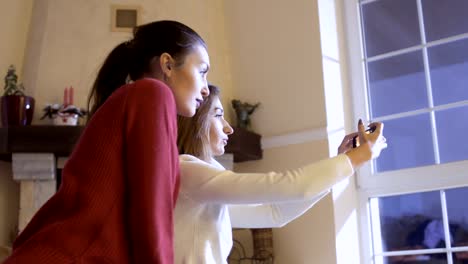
[(279, 59), (15, 17), (69, 41)]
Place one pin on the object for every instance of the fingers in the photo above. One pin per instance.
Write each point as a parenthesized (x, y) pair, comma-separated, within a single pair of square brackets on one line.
[(361, 132), (346, 143), (384, 145), (373, 140), (378, 127), (375, 134), (351, 136), (383, 141), (361, 128)]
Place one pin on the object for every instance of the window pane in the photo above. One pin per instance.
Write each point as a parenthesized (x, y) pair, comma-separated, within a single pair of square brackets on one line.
[(449, 67), (397, 84), (452, 127), (409, 222), (457, 209), (417, 259), (460, 257), (444, 18), (409, 143), (390, 25)]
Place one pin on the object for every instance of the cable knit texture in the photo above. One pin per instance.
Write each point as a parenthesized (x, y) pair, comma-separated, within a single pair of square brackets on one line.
[(119, 187)]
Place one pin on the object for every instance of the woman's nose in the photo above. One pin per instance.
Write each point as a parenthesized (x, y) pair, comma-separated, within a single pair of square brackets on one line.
[(228, 129), (205, 91)]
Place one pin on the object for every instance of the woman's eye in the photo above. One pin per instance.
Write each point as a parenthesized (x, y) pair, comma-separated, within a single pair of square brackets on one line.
[(218, 115)]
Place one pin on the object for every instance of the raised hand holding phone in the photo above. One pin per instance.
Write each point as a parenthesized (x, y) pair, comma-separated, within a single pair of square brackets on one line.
[(364, 145), (356, 138)]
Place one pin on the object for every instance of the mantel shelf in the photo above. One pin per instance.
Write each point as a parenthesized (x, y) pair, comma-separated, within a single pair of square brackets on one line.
[(59, 140)]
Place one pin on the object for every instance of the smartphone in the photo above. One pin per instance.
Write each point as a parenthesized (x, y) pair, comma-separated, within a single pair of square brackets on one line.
[(356, 138)]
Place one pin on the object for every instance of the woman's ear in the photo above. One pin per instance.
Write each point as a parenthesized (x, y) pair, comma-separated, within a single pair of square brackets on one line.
[(166, 64)]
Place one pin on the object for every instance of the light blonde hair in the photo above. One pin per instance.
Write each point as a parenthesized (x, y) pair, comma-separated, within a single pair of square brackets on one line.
[(194, 132)]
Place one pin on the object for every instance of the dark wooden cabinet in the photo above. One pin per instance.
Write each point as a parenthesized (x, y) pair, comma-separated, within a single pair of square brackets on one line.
[(244, 145)]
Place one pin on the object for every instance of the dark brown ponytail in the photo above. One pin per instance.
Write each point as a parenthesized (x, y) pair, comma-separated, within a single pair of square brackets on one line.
[(111, 76)]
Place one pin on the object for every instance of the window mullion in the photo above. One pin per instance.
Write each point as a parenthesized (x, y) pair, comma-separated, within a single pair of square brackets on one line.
[(445, 221), (427, 74)]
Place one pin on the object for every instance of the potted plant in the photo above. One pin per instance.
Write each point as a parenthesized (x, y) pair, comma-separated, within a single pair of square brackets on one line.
[(17, 108)]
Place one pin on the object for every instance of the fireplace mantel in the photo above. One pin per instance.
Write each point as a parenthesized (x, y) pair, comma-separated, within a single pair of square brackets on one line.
[(58, 140), (36, 152)]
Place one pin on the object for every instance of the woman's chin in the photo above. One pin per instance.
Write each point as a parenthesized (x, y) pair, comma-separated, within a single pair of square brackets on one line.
[(219, 152), (186, 111)]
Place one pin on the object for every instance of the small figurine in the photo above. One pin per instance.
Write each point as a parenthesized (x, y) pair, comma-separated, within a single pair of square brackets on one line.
[(243, 112)]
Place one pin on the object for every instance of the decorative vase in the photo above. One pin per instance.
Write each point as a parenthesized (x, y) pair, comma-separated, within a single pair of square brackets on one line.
[(17, 110)]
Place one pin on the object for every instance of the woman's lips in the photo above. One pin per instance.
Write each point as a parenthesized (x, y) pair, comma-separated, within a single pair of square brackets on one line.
[(199, 102)]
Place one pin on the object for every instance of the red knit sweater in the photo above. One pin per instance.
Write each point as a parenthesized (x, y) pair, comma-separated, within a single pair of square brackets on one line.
[(119, 188)]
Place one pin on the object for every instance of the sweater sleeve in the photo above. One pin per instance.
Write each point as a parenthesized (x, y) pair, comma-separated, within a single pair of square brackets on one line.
[(150, 142), (270, 215), (208, 183)]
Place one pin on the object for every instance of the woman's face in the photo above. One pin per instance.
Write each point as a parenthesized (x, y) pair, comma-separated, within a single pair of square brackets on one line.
[(219, 128), (188, 81)]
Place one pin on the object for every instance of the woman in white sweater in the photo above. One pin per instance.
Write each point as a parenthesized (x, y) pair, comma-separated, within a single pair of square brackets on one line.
[(212, 199)]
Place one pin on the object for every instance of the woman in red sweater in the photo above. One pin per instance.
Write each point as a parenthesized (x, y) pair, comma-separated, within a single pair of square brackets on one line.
[(120, 184)]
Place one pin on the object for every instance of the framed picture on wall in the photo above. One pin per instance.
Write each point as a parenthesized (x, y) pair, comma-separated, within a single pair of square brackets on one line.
[(125, 17)]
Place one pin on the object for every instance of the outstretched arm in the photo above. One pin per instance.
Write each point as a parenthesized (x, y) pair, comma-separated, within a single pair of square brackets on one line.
[(270, 215), (207, 183)]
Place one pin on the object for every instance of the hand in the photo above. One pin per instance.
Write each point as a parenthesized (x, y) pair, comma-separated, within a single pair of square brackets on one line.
[(370, 144), (347, 143), (375, 142)]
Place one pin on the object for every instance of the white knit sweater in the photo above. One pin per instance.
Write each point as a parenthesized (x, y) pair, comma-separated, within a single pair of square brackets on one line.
[(212, 200)]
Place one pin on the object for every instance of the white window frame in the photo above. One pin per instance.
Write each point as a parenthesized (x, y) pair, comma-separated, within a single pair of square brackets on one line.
[(369, 184)]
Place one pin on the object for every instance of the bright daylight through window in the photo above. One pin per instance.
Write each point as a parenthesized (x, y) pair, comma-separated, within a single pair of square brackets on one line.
[(415, 63)]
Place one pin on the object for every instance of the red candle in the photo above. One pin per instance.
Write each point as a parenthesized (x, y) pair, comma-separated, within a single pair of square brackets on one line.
[(70, 95), (65, 97)]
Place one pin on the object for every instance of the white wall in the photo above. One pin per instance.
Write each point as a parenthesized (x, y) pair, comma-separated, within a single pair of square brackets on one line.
[(277, 60), (14, 24), (15, 17), (70, 39)]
